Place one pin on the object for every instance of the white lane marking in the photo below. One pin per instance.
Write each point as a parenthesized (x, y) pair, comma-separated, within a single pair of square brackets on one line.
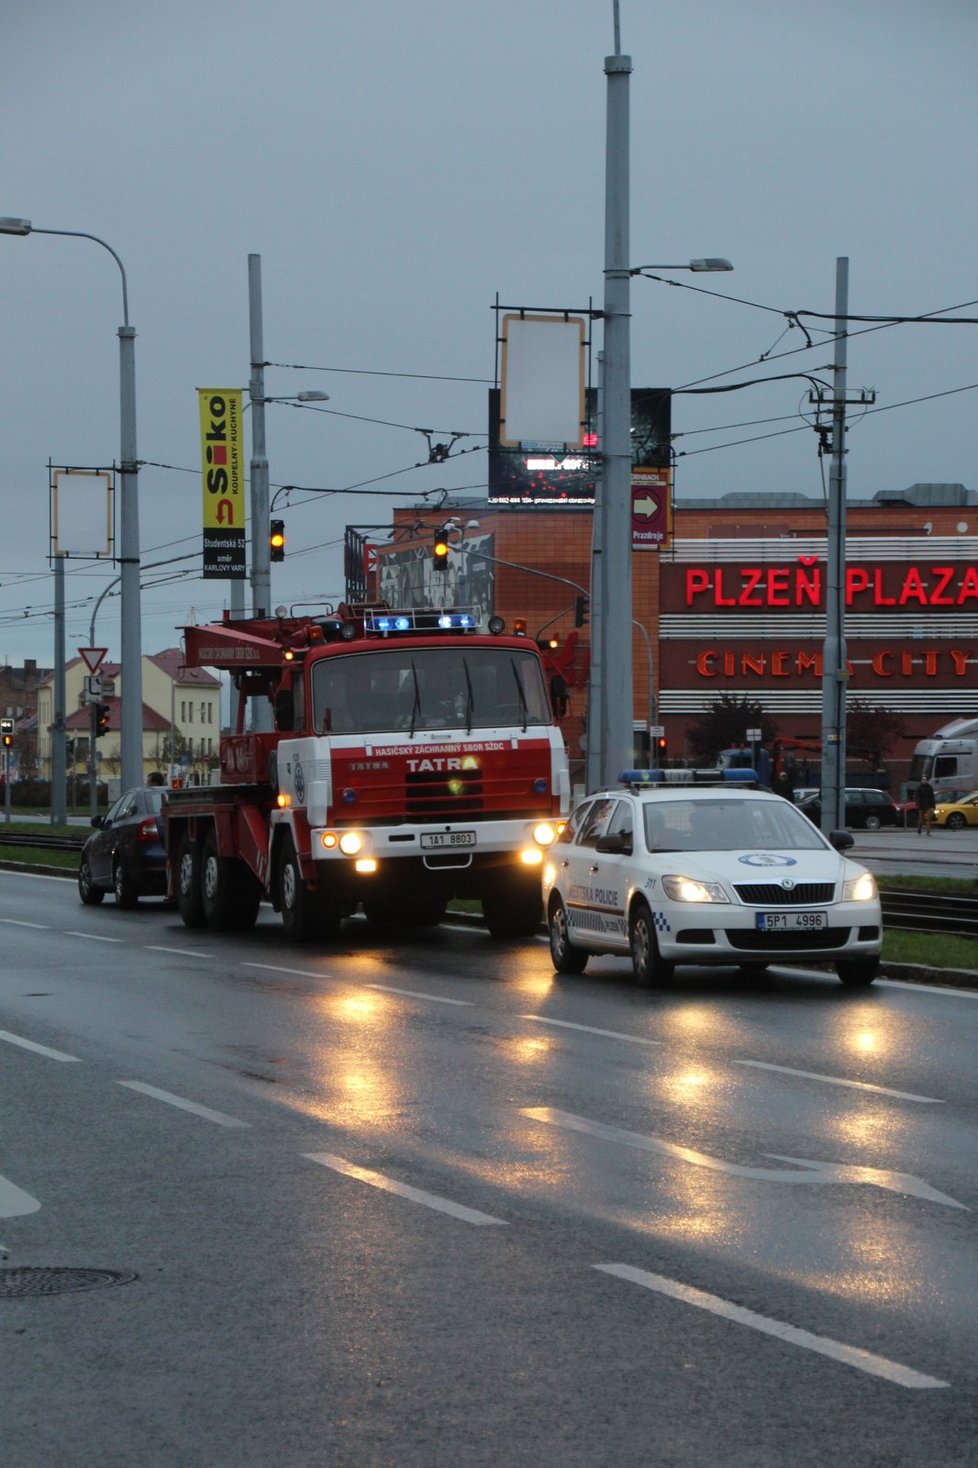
[(40, 1049), (276, 968), (415, 994), (14, 1201), (183, 952), (565, 1024), (926, 988), (403, 1190), (811, 1075), (825, 1346), (815, 1172), (19, 923), (220, 1117), (94, 937)]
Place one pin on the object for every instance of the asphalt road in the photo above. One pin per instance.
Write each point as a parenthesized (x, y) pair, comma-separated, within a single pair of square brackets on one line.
[(424, 1202)]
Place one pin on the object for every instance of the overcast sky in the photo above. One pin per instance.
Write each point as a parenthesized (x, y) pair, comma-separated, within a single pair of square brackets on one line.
[(396, 165)]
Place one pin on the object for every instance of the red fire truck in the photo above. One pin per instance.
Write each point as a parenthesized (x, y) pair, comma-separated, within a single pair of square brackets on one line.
[(414, 759)]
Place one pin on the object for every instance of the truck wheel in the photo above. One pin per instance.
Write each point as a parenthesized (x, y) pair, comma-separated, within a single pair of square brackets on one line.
[(513, 909), (189, 902), (305, 914), (229, 893)]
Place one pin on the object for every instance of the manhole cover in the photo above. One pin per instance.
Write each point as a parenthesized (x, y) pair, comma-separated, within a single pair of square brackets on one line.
[(26, 1280)]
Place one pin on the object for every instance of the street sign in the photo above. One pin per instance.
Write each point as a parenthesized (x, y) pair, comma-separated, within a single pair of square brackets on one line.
[(754, 735), (93, 688), (92, 657)]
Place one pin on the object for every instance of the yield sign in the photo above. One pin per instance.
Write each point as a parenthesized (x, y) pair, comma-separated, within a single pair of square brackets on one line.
[(92, 657)]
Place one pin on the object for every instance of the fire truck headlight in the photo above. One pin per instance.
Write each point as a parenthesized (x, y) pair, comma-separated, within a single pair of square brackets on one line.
[(532, 856), (366, 864), (544, 834), (283, 801), (329, 840), (351, 842)]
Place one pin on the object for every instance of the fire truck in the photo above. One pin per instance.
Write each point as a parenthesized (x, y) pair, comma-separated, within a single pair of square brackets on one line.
[(414, 759)]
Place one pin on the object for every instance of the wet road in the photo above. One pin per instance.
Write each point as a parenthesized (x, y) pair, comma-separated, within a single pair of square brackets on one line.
[(425, 1202)]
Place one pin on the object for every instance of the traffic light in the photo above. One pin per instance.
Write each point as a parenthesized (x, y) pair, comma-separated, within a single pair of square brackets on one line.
[(7, 732), (662, 746), (439, 559), (101, 719), (582, 609), (276, 540)]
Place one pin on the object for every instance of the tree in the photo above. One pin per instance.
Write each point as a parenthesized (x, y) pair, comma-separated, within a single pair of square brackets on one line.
[(871, 730), (725, 725)]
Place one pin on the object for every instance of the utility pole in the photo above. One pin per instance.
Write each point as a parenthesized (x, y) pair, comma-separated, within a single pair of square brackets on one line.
[(261, 575), (834, 668), (610, 714), (59, 809)]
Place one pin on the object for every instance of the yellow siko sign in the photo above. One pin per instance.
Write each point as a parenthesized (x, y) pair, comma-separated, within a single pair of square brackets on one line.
[(222, 468)]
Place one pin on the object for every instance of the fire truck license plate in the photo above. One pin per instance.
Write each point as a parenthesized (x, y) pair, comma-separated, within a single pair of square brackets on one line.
[(791, 922), (446, 840)]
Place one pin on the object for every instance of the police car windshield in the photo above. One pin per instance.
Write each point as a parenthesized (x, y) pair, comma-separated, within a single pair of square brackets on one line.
[(727, 825), (398, 688)]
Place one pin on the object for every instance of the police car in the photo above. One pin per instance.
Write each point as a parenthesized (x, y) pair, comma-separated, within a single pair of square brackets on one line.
[(678, 867)]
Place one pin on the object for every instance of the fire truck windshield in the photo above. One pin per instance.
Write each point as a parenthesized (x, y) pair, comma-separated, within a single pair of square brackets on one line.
[(397, 688)]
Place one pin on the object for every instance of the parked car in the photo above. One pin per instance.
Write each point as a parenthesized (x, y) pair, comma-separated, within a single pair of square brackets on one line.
[(958, 813), (693, 874), (866, 810), (124, 854)]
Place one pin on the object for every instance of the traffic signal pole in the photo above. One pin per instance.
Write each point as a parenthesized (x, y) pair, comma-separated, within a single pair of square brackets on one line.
[(261, 575)]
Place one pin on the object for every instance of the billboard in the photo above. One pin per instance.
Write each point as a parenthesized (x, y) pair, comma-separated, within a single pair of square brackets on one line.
[(542, 381), (223, 483), (549, 479)]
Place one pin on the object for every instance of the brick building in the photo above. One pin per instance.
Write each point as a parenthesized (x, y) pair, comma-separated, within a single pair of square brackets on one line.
[(734, 602)]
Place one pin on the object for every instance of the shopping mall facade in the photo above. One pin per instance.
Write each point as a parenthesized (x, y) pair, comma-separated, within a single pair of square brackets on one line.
[(732, 601)]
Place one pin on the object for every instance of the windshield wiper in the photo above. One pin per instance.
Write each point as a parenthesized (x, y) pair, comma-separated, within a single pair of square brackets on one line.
[(524, 709), (416, 706), (470, 697)]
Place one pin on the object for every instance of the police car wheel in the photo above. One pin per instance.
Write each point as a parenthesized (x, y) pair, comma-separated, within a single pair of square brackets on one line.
[(858, 973), (565, 958), (647, 964)]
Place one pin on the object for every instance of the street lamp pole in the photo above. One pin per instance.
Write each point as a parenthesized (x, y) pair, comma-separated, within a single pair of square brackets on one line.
[(130, 622), (834, 669)]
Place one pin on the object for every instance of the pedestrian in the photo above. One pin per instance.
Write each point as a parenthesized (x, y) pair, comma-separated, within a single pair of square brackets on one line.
[(156, 778), (926, 800)]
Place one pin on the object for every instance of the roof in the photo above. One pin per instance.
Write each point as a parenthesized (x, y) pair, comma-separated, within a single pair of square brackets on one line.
[(171, 662), (153, 723)]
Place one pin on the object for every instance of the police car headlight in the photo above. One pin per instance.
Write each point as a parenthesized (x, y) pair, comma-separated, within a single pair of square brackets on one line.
[(544, 834), (351, 842), (690, 889), (860, 889)]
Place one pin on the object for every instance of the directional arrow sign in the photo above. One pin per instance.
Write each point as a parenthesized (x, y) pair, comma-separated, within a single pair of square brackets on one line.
[(814, 1172), (92, 657)]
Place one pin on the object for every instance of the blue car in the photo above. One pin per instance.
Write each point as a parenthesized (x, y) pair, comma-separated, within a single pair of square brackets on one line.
[(124, 854)]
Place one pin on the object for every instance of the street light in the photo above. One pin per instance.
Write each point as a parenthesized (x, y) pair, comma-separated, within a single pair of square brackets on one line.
[(131, 743), (709, 263)]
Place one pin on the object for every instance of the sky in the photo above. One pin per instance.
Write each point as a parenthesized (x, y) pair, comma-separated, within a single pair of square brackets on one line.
[(399, 168)]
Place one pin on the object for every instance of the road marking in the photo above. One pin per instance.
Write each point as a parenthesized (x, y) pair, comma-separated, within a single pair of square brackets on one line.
[(14, 1201), (275, 968), (183, 952), (811, 1075), (814, 1172), (926, 988), (565, 1024), (403, 1190), (414, 994), (94, 937), (19, 923), (39, 1049), (220, 1117), (824, 1345)]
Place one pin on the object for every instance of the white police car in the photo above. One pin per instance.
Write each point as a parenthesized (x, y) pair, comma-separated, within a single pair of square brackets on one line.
[(676, 867)]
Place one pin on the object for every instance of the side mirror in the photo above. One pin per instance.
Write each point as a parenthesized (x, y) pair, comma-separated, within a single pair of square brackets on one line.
[(842, 840), (98, 822), (616, 844)]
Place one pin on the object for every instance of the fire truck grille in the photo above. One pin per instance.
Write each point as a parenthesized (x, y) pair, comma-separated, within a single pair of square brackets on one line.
[(455, 794)]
